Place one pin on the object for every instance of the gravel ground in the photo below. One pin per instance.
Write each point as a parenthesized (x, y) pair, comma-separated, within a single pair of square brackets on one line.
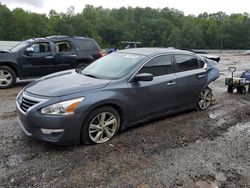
[(193, 149)]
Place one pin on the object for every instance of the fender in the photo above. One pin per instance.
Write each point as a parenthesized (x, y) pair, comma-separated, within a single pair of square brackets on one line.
[(12, 65)]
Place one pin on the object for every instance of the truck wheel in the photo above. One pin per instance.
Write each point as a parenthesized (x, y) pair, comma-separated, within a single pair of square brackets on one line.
[(7, 77), (230, 89), (249, 89)]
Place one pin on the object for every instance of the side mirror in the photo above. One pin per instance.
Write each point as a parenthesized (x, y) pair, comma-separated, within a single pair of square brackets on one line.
[(143, 77), (29, 50)]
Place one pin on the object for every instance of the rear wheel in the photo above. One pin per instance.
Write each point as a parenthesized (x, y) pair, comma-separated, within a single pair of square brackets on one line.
[(7, 77), (241, 89), (205, 99), (101, 125)]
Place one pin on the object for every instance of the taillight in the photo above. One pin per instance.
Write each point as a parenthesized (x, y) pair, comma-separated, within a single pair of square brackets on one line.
[(101, 54)]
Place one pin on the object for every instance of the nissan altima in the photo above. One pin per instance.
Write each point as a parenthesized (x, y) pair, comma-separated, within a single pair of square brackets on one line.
[(115, 92)]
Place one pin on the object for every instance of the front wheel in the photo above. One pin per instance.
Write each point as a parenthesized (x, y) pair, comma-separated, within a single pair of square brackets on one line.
[(205, 99), (230, 89), (7, 77), (101, 125)]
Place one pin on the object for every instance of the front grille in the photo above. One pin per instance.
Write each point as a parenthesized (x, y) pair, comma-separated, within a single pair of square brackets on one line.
[(27, 103)]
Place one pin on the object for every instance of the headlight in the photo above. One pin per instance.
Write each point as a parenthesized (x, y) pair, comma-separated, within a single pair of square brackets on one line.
[(63, 108)]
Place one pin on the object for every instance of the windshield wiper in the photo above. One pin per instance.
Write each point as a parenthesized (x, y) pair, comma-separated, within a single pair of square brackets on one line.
[(90, 75)]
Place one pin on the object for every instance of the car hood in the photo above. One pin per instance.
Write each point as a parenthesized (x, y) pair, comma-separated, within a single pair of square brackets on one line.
[(64, 83), (6, 55), (4, 51)]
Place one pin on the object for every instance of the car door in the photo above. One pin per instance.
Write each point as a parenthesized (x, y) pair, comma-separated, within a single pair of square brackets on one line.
[(65, 55), (149, 98), (39, 61), (191, 78)]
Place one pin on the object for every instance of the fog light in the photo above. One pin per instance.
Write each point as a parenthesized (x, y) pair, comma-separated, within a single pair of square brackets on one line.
[(51, 131)]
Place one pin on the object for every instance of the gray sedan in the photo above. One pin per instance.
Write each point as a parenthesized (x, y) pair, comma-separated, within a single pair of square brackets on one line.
[(113, 93)]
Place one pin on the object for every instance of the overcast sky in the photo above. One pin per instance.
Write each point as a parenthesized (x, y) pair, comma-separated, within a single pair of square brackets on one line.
[(187, 6)]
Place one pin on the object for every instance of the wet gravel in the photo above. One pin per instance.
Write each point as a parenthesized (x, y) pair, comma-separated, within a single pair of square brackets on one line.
[(193, 149)]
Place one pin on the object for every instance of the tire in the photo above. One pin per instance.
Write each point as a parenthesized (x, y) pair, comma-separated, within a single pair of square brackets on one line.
[(242, 89), (249, 89), (94, 130), (7, 77), (230, 89), (205, 99)]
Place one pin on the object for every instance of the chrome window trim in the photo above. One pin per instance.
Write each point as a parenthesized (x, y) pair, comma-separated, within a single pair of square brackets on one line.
[(162, 54)]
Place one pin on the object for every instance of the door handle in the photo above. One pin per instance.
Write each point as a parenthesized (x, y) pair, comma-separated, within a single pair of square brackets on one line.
[(171, 83), (49, 57), (72, 55), (201, 75)]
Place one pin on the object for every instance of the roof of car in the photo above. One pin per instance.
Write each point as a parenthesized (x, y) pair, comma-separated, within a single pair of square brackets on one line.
[(56, 37), (152, 51)]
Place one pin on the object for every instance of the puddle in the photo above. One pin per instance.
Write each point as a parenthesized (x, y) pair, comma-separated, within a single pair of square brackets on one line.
[(7, 115), (216, 114), (211, 182), (13, 160), (220, 177), (219, 116), (204, 184), (241, 128)]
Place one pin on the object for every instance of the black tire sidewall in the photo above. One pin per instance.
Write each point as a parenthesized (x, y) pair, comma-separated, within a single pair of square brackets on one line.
[(230, 89), (242, 89), (11, 71), (85, 139)]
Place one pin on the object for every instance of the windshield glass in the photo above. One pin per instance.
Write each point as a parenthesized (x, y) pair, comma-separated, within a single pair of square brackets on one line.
[(113, 66), (20, 46)]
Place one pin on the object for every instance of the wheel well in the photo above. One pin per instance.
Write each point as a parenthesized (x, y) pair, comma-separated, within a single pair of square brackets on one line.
[(116, 107), (11, 66)]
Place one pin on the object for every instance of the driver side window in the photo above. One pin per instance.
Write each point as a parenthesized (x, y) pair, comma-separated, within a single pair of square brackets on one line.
[(158, 66), (41, 47)]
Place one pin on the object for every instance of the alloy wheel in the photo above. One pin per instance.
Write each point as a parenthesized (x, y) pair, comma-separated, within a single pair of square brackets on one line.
[(5, 78), (205, 99), (103, 127)]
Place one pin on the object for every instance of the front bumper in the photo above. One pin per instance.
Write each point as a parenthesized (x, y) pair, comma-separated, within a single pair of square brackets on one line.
[(54, 129)]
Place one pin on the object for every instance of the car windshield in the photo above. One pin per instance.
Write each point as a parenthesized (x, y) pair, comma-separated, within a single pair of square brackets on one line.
[(20, 46), (113, 66)]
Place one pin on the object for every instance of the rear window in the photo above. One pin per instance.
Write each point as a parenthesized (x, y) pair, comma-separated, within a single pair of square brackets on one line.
[(185, 62), (85, 44), (63, 46)]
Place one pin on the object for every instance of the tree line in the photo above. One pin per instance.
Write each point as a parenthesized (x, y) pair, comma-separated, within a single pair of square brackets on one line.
[(153, 27)]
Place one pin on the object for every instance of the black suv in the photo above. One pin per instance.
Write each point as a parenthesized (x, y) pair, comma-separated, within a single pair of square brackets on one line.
[(41, 56)]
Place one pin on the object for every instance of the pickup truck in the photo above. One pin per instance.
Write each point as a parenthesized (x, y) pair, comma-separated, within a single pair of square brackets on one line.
[(37, 57)]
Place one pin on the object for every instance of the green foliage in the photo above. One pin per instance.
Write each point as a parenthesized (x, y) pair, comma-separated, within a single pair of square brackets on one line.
[(153, 27)]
